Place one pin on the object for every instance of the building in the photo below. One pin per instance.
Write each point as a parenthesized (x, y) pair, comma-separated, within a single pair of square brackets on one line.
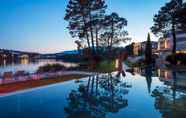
[(154, 46), (172, 78), (13, 55), (165, 44), (136, 48), (180, 41), (164, 48), (139, 48)]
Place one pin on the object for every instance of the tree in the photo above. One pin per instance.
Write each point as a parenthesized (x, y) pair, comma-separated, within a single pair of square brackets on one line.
[(182, 17), (114, 32), (97, 21), (148, 50), (97, 97), (166, 20), (88, 22), (96, 10), (129, 49), (82, 16), (104, 39), (79, 45), (76, 16), (148, 76)]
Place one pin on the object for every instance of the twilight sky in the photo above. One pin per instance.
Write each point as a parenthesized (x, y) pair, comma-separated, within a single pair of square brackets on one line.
[(38, 25)]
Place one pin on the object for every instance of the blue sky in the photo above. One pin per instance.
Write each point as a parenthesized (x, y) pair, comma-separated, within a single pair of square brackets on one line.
[(38, 25)]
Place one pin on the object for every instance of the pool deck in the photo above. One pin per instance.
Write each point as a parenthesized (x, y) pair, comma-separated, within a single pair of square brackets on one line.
[(37, 76), (36, 80)]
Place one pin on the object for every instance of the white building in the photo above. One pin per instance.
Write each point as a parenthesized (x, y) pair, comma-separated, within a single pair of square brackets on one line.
[(180, 41), (165, 46)]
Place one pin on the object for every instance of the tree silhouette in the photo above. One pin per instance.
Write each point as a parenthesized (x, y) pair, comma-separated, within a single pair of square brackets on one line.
[(79, 45), (114, 31), (83, 16), (148, 76), (93, 99), (148, 50), (166, 20), (88, 21), (182, 17)]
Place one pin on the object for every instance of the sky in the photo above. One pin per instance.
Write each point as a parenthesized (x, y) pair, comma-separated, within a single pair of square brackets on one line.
[(38, 25)]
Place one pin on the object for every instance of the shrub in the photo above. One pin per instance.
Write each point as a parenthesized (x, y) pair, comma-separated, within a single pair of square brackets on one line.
[(106, 66), (51, 68), (171, 59), (180, 58)]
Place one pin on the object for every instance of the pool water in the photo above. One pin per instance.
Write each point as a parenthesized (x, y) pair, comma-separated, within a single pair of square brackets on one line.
[(141, 95)]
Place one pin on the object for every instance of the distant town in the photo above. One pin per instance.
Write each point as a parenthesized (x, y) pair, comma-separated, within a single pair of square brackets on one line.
[(162, 48), (13, 54)]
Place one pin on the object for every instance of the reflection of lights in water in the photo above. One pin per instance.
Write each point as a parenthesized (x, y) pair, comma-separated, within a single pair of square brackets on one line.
[(159, 72), (166, 75), (162, 73), (4, 62), (29, 65), (4, 56), (137, 70), (25, 61), (117, 63), (13, 63)]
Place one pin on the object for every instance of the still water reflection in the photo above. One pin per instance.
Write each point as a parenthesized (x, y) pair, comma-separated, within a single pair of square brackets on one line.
[(99, 96), (28, 65), (143, 93)]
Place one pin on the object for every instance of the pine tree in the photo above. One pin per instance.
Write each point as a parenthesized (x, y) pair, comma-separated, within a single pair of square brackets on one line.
[(76, 16), (114, 31), (166, 20), (181, 14), (84, 16), (148, 51)]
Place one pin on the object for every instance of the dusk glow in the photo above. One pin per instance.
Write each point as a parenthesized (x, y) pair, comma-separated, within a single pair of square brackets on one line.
[(36, 25), (92, 58)]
